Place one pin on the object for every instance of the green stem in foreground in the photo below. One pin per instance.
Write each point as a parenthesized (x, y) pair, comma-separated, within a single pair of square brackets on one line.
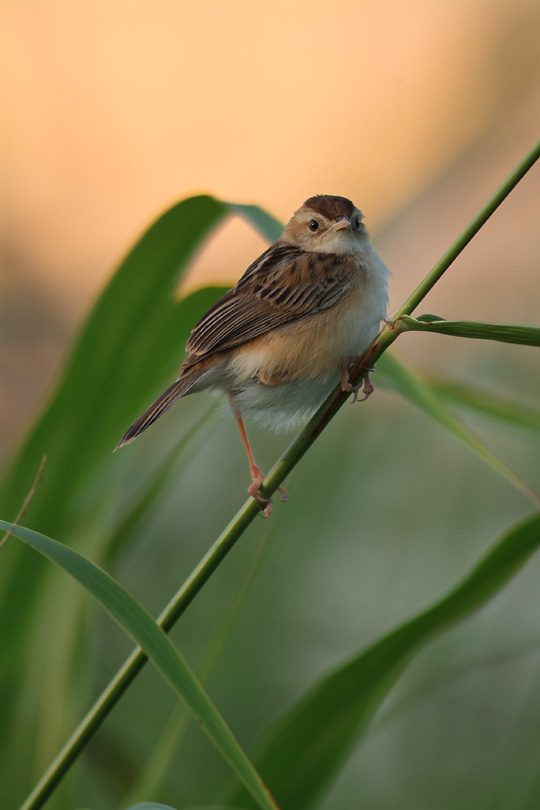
[(250, 510)]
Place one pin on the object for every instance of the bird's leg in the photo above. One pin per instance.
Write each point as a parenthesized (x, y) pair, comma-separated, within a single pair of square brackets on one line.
[(257, 475), (366, 385)]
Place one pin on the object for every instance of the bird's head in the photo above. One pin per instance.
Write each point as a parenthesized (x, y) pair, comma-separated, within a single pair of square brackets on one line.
[(327, 224)]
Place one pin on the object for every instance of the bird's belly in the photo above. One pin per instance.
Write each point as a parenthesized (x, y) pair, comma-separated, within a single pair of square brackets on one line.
[(285, 406), (281, 378), (312, 348)]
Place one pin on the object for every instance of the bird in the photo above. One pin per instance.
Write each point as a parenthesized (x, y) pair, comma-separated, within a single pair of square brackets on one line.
[(286, 334)]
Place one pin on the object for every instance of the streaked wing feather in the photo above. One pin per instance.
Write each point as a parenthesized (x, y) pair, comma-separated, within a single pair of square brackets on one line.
[(284, 284)]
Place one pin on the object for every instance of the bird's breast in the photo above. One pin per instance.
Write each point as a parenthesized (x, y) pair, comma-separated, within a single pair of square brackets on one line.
[(315, 345)]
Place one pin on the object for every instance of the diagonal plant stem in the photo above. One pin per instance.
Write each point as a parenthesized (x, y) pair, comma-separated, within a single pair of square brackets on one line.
[(471, 230), (160, 761), (224, 543), (25, 503), (390, 332)]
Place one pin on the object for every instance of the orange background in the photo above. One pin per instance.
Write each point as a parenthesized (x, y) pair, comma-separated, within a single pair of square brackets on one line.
[(114, 110)]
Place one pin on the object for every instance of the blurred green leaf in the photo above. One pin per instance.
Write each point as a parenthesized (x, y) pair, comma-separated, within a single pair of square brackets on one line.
[(154, 806), (504, 410), (149, 806), (128, 350), (136, 621), (129, 346), (131, 342), (267, 225), (506, 333), (423, 396), (133, 512), (302, 754), (500, 409)]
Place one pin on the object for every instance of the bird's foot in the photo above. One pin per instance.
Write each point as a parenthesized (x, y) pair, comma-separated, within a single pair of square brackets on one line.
[(264, 504), (254, 489), (366, 386), (367, 390)]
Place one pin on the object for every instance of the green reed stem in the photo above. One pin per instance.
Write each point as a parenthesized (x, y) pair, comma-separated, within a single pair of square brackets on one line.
[(471, 230)]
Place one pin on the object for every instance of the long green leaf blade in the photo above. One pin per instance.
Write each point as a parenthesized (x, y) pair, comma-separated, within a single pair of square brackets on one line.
[(130, 346), (423, 396), (128, 349), (506, 333), (267, 225), (303, 753), (131, 343), (130, 615), (157, 806), (511, 413)]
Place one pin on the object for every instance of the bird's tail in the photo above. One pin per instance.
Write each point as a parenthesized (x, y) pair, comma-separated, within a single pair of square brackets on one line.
[(162, 403)]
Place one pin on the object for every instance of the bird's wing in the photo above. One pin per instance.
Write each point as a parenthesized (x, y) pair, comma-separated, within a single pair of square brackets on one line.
[(284, 284)]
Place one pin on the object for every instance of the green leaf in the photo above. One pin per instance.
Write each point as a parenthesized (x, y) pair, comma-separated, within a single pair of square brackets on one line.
[(305, 750), (267, 225), (128, 350), (506, 333), (429, 318), (131, 343), (155, 806), (150, 806), (136, 621), (488, 404), (129, 347), (423, 396)]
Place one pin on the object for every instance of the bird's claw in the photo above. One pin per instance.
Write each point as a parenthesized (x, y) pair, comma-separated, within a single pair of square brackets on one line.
[(366, 386), (265, 504), (284, 495), (367, 390)]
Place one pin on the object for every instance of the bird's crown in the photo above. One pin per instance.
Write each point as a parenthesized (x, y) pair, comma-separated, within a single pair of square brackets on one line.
[(330, 206)]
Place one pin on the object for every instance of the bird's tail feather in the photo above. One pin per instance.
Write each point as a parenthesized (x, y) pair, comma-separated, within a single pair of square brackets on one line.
[(162, 404)]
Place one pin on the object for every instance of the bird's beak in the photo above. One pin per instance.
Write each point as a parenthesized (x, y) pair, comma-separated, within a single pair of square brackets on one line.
[(343, 222)]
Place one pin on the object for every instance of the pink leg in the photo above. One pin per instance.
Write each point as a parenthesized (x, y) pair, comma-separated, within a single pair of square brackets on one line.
[(257, 475), (348, 387)]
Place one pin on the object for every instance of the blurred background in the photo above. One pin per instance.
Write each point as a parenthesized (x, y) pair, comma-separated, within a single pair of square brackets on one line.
[(112, 111), (417, 111)]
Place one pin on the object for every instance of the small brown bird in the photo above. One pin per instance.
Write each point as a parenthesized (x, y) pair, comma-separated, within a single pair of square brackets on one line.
[(283, 337)]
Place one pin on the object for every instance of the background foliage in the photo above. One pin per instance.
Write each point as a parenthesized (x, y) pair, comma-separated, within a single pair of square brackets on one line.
[(387, 512)]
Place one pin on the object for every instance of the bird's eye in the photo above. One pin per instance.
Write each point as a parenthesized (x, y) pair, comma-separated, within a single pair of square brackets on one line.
[(357, 222), (313, 225)]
